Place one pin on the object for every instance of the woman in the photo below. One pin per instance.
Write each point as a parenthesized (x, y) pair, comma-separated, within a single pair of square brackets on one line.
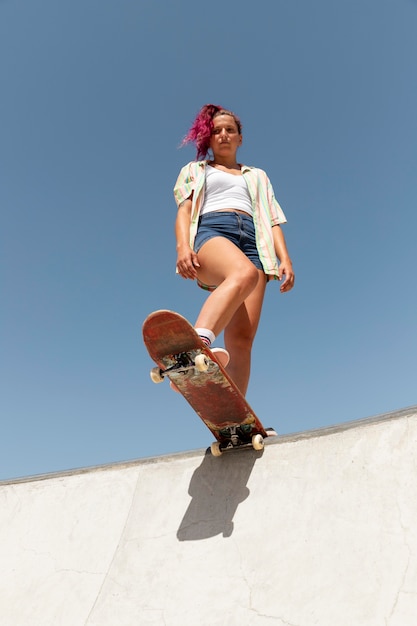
[(228, 237)]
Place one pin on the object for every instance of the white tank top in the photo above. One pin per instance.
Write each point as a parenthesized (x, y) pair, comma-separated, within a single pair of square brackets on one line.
[(225, 191)]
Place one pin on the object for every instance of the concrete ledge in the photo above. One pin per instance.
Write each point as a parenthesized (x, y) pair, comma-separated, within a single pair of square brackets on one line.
[(297, 436), (280, 439), (318, 528)]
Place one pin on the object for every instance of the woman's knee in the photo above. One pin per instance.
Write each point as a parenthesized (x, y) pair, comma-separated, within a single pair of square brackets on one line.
[(247, 277)]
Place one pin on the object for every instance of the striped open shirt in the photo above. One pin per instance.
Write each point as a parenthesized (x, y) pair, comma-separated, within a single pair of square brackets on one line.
[(266, 210)]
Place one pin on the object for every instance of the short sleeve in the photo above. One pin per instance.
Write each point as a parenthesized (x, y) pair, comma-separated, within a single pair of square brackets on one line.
[(185, 184), (277, 214)]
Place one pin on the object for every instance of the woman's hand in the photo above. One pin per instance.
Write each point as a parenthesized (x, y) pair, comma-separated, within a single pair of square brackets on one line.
[(285, 269), (187, 262), (186, 257), (285, 266)]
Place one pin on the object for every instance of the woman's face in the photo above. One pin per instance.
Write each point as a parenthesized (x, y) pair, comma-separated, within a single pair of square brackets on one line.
[(225, 137)]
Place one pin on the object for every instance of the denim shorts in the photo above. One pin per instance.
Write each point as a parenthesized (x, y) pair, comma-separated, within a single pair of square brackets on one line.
[(236, 227)]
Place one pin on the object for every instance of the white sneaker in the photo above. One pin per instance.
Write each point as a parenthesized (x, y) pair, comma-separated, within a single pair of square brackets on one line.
[(222, 356), (271, 432)]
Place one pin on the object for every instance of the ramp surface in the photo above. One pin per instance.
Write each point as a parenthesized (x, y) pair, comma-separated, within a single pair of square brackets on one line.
[(319, 529)]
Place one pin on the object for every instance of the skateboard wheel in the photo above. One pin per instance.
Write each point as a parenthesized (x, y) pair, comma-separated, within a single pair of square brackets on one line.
[(258, 442), (215, 448), (156, 375), (201, 363)]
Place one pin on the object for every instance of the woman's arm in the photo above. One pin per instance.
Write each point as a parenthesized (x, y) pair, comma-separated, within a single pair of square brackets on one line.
[(186, 258), (285, 267)]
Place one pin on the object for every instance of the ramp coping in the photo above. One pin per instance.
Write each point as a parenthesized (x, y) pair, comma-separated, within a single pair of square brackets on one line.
[(280, 439)]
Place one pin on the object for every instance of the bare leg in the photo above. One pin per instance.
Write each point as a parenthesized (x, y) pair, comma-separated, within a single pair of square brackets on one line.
[(240, 333), (235, 306), (223, 264)]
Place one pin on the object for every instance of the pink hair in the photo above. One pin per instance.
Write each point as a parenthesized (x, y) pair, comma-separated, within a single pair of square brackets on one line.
[(202, 127)]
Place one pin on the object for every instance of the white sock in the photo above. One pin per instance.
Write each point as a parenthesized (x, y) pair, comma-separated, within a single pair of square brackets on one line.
[(206, 335)]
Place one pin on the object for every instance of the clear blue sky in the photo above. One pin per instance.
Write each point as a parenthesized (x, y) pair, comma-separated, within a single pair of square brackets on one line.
[(96, 97)]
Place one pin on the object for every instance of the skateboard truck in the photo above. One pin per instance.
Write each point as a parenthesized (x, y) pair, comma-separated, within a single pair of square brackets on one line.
[(256, 442), (234, 437), (184, 362)]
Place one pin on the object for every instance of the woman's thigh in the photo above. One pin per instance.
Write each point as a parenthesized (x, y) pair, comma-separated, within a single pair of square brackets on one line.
[(220, 259)]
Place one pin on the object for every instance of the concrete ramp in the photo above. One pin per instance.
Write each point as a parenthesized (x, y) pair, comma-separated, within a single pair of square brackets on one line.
[(318, 530)]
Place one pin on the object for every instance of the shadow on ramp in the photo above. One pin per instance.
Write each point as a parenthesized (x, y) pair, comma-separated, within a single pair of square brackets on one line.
[(217, 488)]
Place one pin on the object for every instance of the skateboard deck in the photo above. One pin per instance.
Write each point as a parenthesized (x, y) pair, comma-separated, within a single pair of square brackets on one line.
[(182, 356)]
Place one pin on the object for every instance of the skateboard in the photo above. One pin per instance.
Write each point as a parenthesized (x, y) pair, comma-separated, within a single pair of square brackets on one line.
[(182, 356)]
